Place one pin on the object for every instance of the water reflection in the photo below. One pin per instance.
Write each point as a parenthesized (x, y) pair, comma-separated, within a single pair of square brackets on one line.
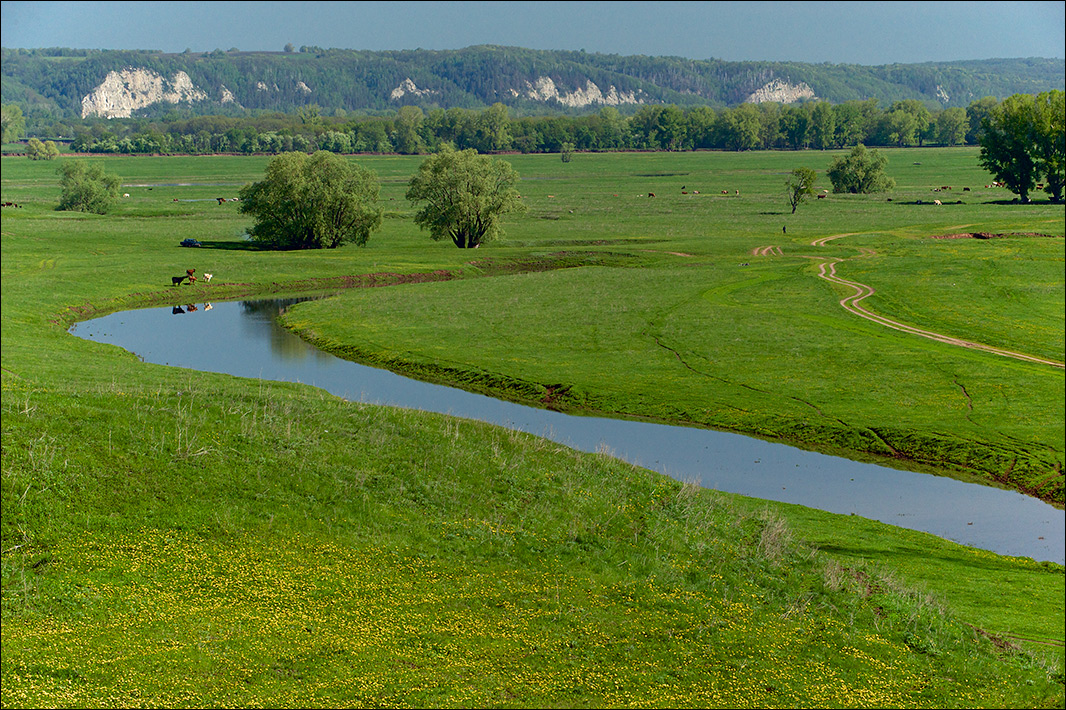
[(282, 343), (243, 339)]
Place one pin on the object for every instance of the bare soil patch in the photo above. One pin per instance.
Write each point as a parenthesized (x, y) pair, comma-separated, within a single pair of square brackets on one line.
[(990, 235)]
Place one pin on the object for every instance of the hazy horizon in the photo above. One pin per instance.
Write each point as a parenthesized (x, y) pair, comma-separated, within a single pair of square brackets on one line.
[(826, 32)]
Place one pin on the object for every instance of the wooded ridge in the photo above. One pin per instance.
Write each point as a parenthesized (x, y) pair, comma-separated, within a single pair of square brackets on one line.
[(68, 83)]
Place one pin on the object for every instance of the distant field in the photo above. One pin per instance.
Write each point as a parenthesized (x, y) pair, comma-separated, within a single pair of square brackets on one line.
[(175, 538)]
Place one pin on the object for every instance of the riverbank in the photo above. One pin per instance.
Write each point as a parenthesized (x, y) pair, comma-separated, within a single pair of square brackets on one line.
[(254, 345)]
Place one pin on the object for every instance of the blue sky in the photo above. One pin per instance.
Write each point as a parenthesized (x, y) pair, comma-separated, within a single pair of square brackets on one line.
[(836, 32)]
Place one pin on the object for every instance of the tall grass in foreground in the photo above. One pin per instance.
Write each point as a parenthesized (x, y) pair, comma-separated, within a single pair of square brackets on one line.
[(211, 545)]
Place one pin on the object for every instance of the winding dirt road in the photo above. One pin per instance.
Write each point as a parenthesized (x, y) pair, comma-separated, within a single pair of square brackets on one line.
[(851, 303)]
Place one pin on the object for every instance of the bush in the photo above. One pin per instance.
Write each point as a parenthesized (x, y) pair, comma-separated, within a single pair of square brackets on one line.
[(36, 150), (860, 172), (87, 188)]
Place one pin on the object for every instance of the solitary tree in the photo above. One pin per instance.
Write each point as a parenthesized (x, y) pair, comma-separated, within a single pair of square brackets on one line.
[(464, 196), (86, 188), (800, 186), (860, 172), (567, 152), (312, 202)]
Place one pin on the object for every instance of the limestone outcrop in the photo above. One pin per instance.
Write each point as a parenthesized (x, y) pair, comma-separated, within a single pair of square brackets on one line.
[(544, 89), (123, 92), (408, 87), (781, 92)]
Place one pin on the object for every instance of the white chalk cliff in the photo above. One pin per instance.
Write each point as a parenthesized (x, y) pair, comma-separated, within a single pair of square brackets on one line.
[(544, 89), (780, 92), (123, 92), (408, 87)]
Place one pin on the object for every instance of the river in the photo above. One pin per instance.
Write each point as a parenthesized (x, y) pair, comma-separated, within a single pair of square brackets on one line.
[(243, 338)]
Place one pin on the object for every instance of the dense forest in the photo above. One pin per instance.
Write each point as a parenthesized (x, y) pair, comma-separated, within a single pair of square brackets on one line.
[(493, 99)]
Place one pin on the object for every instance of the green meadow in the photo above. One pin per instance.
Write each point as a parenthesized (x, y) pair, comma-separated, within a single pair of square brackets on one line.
[(175, 538)]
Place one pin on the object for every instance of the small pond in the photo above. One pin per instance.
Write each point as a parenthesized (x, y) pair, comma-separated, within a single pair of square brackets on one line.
[(242, 338)]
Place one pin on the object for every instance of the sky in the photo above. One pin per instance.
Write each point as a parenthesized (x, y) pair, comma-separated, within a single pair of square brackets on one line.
[(868, 33)]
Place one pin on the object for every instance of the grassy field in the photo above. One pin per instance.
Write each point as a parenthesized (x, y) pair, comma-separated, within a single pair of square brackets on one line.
[(190, 539)]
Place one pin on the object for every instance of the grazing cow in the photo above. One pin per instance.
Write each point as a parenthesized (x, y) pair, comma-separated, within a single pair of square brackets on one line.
[(738, 193), (725, 192), (175, 280), (695, 192), (126, 194), (937, 202), (207, 277), (965, 189), (821, 196), (220, 200), (651, 194)]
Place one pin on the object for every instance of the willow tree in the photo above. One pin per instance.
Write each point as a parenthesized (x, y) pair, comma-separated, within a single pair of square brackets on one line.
[(312, 202), (464, 196)]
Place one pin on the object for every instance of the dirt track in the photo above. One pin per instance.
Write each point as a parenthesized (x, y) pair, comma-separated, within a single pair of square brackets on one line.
[(851, 303)]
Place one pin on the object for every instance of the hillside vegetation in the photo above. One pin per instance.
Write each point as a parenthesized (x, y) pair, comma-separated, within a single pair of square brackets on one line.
[(531, 82), (177, 538)]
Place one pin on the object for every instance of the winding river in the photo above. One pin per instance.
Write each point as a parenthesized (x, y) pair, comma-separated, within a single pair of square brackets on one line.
[(243, 339)]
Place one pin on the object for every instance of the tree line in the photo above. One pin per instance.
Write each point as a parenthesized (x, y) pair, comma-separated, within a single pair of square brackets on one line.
[(411, 131)]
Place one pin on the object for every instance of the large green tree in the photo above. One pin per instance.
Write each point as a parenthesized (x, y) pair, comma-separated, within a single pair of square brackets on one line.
[(463, 196), (312, 202), (87, 188), (859, 172), (1023, 140)]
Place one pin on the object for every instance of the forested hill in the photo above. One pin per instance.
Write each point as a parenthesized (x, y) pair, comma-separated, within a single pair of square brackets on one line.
[(64, 83)]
